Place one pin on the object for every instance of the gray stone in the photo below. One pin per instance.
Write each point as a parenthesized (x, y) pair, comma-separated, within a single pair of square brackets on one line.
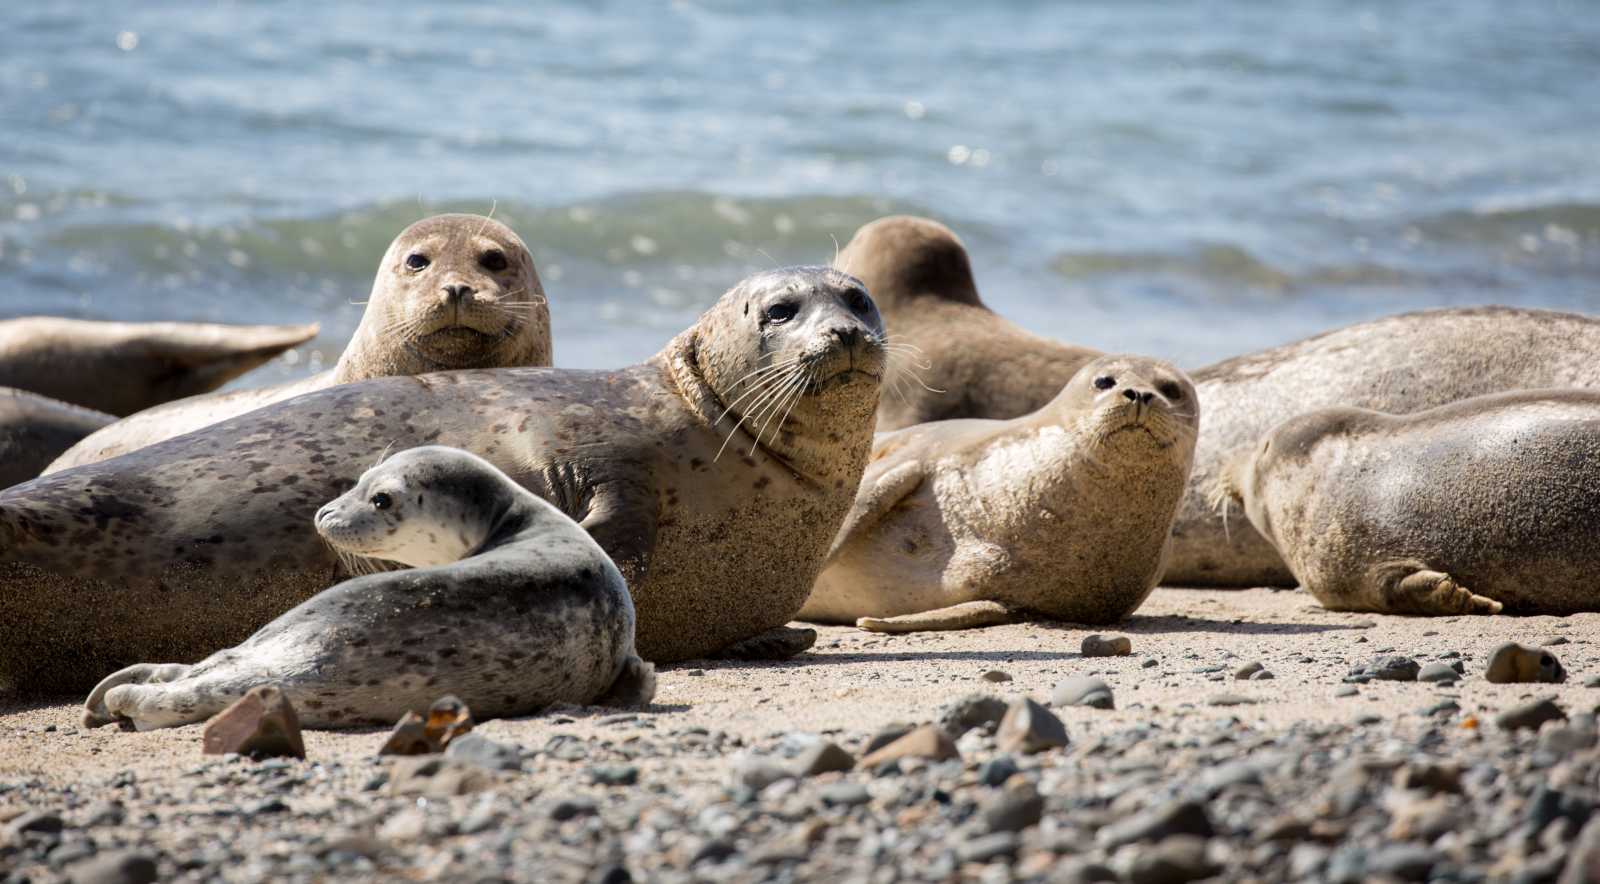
[(614, 774), (1389, 668), (115, 867), (575, 806), (479, 750), (757, 773), (891, 732), (822, 757), (1438, 672), (1176, 818), (1080, 690), (1512, 663), (987, 848), (1346, 690), (1407, 862), (1176, 860), (844, 795), (1245, 672), (1029, 727), (1583, 863), (1017, 807), (973, 710), (1230, 700), (997, 770), (1530, 715)]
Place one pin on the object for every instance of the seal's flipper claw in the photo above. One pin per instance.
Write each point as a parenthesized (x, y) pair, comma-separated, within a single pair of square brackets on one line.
[(967, 615), (1431, 593), (95, 711), (779, 643)]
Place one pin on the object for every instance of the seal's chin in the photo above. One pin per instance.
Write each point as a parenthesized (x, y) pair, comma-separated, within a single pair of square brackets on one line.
[(457, 343), (843, 378)]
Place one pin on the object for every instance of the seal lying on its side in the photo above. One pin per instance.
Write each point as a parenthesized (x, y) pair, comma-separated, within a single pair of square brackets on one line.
[(1399, 364), (512, 608), (123, 367), (1061, 514), (452, 292), (715, 475), (1460, 509), (34, 429), (978, 364)]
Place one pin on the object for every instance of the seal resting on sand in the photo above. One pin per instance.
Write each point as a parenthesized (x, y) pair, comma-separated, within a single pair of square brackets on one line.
[(35, 429), (511, 607), (715, 475), (452, 292)]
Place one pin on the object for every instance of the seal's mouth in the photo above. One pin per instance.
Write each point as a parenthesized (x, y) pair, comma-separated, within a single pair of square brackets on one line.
[(842, 378)]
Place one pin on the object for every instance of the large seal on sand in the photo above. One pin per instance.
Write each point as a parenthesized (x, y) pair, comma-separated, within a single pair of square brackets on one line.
[(1062, 514), (970, 362), (715, 476), (511, 607), (452, 292), (35, 429), (123, 367), (1460, 509), (1399, 364)]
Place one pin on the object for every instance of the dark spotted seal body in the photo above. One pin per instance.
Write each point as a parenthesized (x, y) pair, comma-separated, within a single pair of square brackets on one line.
[(510, 607), (715, 476), (1478, 506), (35, 429)]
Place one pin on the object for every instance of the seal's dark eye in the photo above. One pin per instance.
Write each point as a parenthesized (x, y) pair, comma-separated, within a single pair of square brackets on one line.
[(416, 261), (1105, 382), (860, 303), (1172, 391), (781, 312), (493, 260), (381, 501)]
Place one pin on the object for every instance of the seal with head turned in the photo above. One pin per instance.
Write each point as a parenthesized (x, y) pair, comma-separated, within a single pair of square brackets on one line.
[(1062, 514), (452, 292), (509, 605), (122, 367), (1478, 506), (715, 476), (972, 362)]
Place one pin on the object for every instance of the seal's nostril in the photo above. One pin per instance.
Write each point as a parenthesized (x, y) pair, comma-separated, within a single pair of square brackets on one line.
[(1130, 395), (457, 291), (847, 336), (1146, 397)]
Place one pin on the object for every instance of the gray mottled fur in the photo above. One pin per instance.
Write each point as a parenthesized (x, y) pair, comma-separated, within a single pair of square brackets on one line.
[(34, 429)]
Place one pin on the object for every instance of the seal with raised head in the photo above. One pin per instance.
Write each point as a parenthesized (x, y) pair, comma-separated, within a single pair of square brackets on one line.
[(715, 476), (35, 429), (122, 367), (1062, 514), (1478, 506), (510, 606), (972, 363), (452, 292)]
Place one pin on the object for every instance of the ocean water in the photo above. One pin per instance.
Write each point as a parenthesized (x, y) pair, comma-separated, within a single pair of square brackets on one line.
[(1192, 180)]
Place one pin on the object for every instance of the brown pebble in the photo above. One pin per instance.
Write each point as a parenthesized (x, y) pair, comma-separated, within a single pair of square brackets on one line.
[(927, 742), (409, 737), (1107, 646), (261, 724), (448, 718), (1512, 663), (1029, 727)]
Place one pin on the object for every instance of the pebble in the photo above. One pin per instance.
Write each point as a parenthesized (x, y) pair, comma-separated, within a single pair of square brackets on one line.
[(261, 724), (1082, 690), (573, 807), (757, 773), (1554, 641), (1030, 727), (479, 750), (1592, 681), (1107, 646), (1583, 863), (1388, 668), (1229, 700), (34, 823), (972, 711), (1530, 715), (1346, 690), (1176, 818), (1263, 675), (1245, 672), (997, 676), (409, 737), (614, 774), (928, 742), (1512, 663), (1443, 707), (997, 770), (888, 734), (844, 795), (115, 867), (986, 848), (822, 757), (1407, 862), (1017, 807), (1149, 663), (434, 777), (1438, 672), (1176, 860)]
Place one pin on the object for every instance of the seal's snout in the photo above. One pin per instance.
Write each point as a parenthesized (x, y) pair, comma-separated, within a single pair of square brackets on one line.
[(847, 337), (1141, 397), (456, 292)]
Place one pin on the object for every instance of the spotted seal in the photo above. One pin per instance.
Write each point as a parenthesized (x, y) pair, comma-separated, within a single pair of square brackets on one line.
[(510, 607), (1063, 513), (35, 429), (1478, 506), (715, 476), (122, 367), (452, 292), (972, 363)]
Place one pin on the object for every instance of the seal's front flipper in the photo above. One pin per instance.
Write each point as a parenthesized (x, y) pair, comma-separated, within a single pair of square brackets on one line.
[(635, 685), (967, 615), (778, 643), (95, 710), (1411, 587)]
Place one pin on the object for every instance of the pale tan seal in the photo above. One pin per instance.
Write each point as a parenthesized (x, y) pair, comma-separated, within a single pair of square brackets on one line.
[(965, 360), (715, 476), (123, 367), (35, 429), (452, 292), (1469, 508), (510, 607), (1062, 514)]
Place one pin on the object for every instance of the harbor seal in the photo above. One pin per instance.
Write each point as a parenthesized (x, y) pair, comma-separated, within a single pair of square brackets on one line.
[(1062, 514), (35, 429), (1399, 364), (977, 364), (452, 292), (715, 476), (1469, 508), (510, 607), (122, 367)]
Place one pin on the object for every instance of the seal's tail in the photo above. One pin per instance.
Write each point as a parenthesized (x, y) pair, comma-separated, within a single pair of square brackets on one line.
[(635, 685)]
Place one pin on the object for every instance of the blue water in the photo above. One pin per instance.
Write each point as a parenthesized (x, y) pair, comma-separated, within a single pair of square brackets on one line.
[(1187, 179)]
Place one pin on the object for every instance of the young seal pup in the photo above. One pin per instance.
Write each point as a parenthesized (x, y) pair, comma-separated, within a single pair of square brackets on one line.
[(122, 367), (714, 475), (512, 607), (1470, 508), (1062, 514), (452, 292), (34, 429), (978, 364)]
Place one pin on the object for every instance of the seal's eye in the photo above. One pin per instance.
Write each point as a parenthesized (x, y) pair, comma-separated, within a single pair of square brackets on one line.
[(416, 260), (860, 303), (782, 312), (1172, 391), (493, 260), (1105, 382), (381, 501)]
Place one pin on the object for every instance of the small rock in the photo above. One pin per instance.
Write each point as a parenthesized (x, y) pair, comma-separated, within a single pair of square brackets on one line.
[(820, 758), (1567, 739), (1176, 860), (479, 750), (435, 777), (1438, 672), (1346, 690), (1583, 864), (1029, 727), (1177, 818), (261, 724), (695, 673), (996, 676), (481, 818), (891, 732), (614, 774), (34, 823), (714, 851), (1407, 862), (448, 718), (972, 711), (115, 867), (409, 737), (1263, 675), (927, 741), (1083, 691), (1017, 807), (986, 848), (1443, 707), (570, 808), (1530, 715), (1243, 673), (1389, 668), (997, 770), (1592, 681), (405, 826), (1149, 663), (1428, 776), (1107, 646), (844, 795), (757, 773), (1512, 663), (1554, 641), (1230, 700)]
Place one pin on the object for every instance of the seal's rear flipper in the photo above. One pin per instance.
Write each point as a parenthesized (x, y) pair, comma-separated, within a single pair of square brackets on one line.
[(967, 615), (779, 643), (203, 357), (1411, 587), (635, 685)]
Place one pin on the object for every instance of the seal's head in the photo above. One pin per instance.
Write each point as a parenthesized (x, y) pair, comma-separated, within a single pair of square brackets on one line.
[(425, 506), (1292, 448), (1130, 400), (453, 292), (903, 257)]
